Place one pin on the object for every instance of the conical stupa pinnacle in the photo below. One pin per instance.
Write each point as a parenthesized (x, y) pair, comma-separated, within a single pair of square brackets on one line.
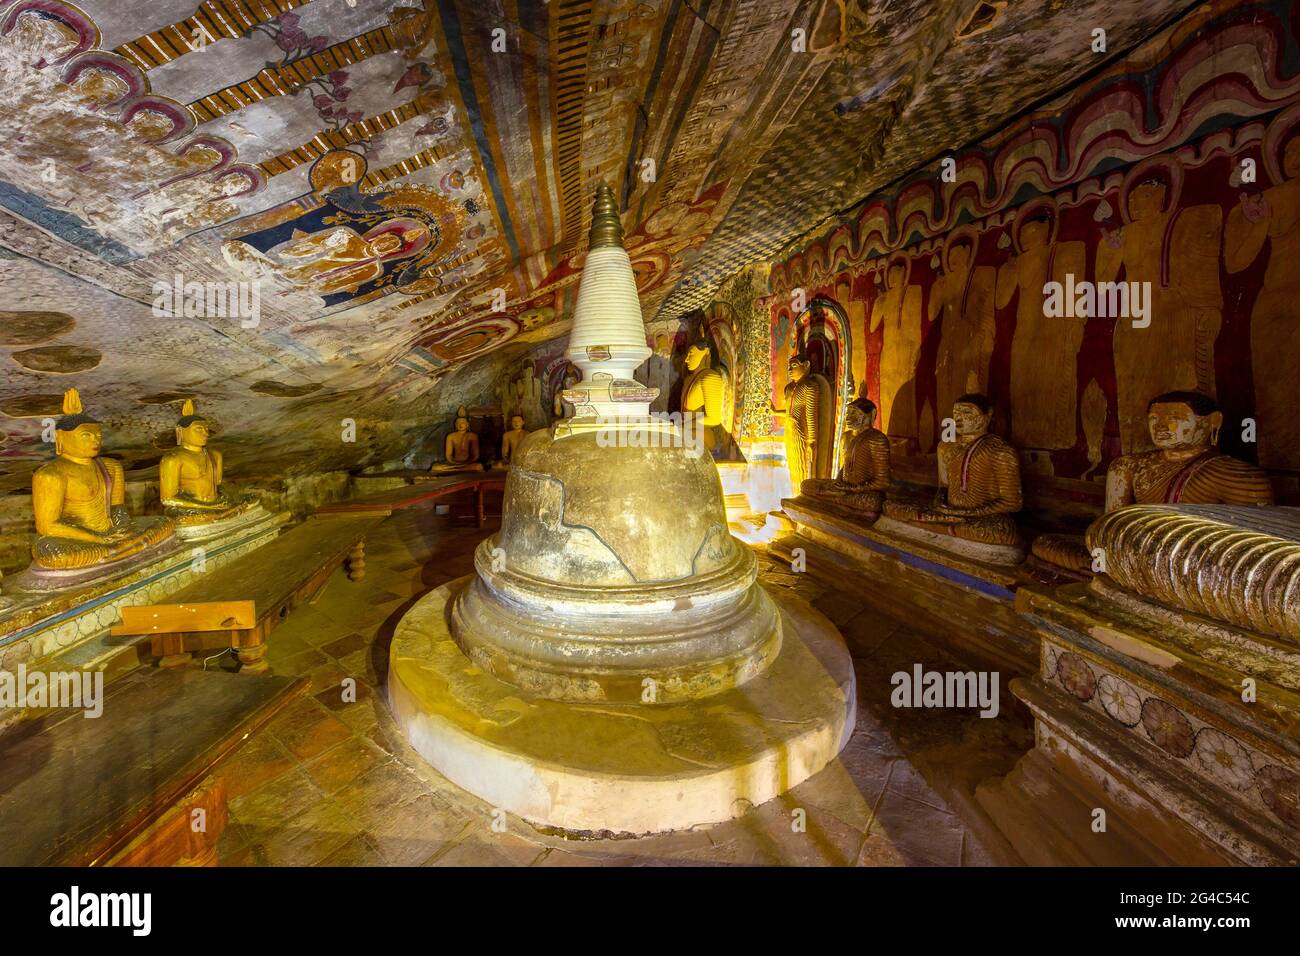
[(606, 226), (607, 340)]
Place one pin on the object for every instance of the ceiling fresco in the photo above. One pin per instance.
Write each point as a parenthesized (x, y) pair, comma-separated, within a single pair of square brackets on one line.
[(302, 213)]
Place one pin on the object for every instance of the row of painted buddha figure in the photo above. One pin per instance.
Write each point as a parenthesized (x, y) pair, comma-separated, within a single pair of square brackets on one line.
[(979, 475), (79, 498)]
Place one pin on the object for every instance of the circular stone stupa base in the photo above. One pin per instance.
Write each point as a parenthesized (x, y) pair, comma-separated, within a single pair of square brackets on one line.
[(622, 768)]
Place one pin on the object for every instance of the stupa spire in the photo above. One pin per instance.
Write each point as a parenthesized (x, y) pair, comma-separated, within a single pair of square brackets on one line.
[(608, 340)]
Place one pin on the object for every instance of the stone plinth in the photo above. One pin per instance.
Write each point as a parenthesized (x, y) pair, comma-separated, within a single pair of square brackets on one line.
[(73, 624), (964, 604), (629, 768), (1143, 715)]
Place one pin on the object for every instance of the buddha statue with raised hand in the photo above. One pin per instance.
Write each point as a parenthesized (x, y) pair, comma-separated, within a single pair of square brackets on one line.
[(864, 474), (460, 451), (979, 482), (1186, 467), (79, 501), (190, 476)]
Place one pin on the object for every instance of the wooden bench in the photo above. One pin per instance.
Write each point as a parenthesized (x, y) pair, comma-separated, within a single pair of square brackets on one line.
[(126, 788), (275, 578), (421, 491)]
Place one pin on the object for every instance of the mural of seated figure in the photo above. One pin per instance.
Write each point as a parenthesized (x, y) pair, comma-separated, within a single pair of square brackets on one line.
[(864, 475), (1185, 468), (979, 492)]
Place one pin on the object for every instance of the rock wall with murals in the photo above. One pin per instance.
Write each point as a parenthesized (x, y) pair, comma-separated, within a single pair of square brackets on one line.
[(1178, 168)]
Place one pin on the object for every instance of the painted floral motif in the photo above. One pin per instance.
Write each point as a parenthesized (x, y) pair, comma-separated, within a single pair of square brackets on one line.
[(1224, 759), (329, 93), (1120, 700), (1280, 790), (1076, 676), (1166, 725), (1215, 755)]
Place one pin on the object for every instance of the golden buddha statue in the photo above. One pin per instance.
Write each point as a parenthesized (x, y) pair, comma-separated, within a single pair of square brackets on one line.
[(809, 422), (80, 501), (979, 482), (460, 451), (864, 473), (1185, 468), (190, 476), (510, 441), (707, 392)]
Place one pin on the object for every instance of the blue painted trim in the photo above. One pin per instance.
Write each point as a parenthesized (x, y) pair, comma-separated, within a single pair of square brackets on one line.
[(908, 558), (465, 80), (64, 225)]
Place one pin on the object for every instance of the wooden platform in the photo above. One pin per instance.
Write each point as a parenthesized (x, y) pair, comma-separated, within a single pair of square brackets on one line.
[(423, 489), (277, 578), (120, 788)]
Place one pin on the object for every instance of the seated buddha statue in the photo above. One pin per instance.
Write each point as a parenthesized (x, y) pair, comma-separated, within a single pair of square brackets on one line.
[(1186, 467), (864, 474), (460, 451), (80, 501), (189, 476), (511, 439), (707, 392), (979, 482)]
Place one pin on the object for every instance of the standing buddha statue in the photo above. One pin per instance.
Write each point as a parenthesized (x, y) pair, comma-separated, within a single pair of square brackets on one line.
[(707, 392), (809, 423)]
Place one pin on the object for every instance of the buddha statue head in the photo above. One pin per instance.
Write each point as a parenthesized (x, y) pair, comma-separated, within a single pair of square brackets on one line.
[(698, 356), (798, 368), (516, 422), (462, 419), (1179, 421), (971, 414), (76, 434), (192, 430), (860, 415)]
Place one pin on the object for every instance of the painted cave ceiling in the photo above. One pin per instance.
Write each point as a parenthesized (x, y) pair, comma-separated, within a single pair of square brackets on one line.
[(408, 186)]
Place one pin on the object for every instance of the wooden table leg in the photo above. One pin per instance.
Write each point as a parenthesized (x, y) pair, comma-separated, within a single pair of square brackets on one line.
[(252, 659), (356, 561)]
